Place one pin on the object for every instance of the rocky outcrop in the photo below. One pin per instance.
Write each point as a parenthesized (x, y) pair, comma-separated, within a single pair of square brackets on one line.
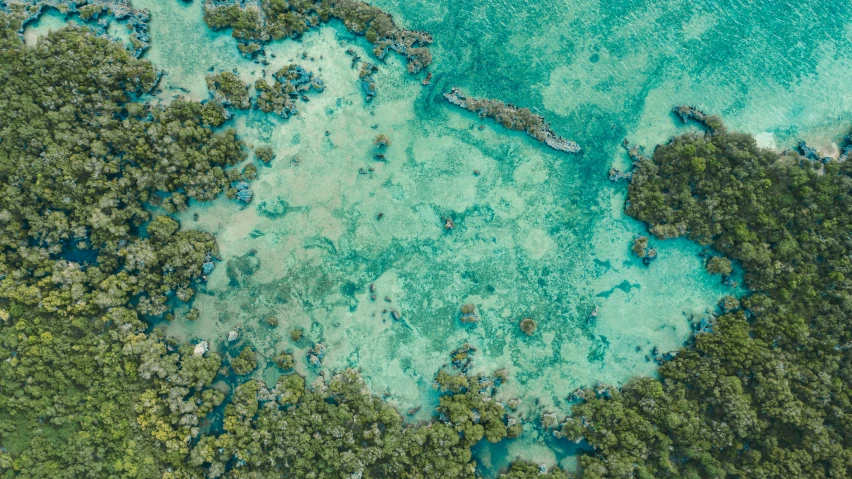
[(200, 348), (513, 118), (688, 112)]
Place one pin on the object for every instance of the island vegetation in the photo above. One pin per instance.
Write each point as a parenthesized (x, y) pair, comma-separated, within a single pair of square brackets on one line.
[(763, 391), (256, 23), (90, 258)]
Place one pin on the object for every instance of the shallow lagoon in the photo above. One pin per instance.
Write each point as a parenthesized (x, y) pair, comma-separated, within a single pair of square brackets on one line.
[(539, 234)]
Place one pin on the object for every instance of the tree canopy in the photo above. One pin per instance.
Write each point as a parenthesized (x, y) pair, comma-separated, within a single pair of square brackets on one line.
[(766, 394)]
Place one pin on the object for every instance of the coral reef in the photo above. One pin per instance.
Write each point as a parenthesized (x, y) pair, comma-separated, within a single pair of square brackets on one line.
[(468, 313), (528, 326), (462, 357)]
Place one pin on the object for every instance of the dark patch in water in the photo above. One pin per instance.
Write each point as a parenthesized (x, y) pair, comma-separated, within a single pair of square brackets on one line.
[(607, 265), (239, 268), (273, 209), (320, 242), (625, 286), (598, 350)]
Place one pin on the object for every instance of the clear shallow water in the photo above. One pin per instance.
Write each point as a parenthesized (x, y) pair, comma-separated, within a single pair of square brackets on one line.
[(539, 234)]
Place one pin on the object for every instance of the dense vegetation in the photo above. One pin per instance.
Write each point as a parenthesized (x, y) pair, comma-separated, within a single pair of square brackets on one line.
[(766, 394), (289, 84), (277, 19), (85, 390), (79, 158)]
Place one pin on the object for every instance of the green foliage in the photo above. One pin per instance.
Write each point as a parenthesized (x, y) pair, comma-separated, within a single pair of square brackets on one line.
[(277, 19), (640, 246), (290, 84), (526, 470), (528, 326), (285, 361), (88, 12), (162, 228), (766, 394), (229, 90), (264, 153), (246, 362), (719, 265), (336, 429), (245, 24)]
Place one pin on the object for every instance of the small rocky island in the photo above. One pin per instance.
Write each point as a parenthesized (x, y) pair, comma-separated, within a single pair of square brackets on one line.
[(513, 118)]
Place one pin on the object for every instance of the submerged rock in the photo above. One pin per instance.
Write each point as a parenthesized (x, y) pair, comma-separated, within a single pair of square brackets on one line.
[(462, 356), (811, 154), (513, 118), (528, 326), (315, 354), (208, 265), (704, 326), (233, 336), (368, 85), (807, 152)]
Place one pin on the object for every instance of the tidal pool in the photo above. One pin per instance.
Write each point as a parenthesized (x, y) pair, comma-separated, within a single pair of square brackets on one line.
[(538, 233)]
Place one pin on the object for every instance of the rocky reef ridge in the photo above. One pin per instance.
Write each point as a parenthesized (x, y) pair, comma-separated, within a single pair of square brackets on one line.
[(513, 118)]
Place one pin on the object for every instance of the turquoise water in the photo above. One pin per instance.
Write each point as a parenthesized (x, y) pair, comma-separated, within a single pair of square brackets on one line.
[(538, 233)]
